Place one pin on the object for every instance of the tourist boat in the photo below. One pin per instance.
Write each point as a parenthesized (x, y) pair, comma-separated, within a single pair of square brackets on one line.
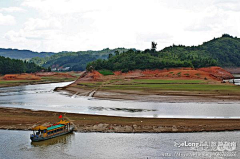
[(41, 133)]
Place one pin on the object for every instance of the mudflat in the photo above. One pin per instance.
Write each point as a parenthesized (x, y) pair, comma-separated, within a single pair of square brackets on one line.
[(25, 119)]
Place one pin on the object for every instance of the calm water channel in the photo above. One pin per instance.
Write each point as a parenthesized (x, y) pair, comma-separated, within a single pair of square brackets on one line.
[(42, 97), (17, 145)]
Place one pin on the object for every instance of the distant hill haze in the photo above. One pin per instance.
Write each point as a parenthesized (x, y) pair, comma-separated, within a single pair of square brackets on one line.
[(223, 51), (75, 61), (23, 54)]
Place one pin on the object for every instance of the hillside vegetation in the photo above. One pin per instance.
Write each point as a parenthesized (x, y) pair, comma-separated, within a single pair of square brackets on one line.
[(223, 51), (77, 61), (8, 65)]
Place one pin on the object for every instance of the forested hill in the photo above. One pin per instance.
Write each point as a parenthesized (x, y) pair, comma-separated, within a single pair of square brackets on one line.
[(223, 51), (23, 54), (8, 65), (75, 61)]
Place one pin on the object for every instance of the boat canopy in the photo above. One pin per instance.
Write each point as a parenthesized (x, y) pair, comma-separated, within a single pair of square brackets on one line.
[(64, 122), (55, 127), (36, 128)]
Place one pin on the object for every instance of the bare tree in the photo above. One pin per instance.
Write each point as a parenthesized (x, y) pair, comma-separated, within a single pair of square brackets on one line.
[(154, 46)]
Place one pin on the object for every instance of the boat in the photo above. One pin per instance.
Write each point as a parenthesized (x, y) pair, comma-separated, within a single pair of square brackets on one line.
[(41, 133)]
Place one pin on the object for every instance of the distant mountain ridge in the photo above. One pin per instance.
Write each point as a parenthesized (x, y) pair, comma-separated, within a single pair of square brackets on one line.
[(75, 61), (23, 54), (223, 51)]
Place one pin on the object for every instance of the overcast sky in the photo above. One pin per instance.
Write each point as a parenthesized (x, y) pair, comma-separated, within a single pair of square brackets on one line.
[(74, 25)]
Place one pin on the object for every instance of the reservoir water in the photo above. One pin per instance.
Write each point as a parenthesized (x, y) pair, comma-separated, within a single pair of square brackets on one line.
[(16, 144), (42, 97), (218, 145)]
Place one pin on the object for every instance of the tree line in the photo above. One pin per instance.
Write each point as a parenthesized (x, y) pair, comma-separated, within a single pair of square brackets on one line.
[(8, 66), (149, 59), (223, 52)]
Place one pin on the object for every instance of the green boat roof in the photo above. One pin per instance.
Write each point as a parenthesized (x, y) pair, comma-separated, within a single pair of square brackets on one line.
[(54, 127)]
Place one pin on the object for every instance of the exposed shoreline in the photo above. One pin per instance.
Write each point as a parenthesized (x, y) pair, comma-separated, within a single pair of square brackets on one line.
[(158, 86), (34, 83), (25, 119), (38, 78), (160, 96)]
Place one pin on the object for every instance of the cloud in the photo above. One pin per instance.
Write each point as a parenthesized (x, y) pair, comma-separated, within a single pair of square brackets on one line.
[(73, 25), (65, 6), (228, 5), (211, 21), (12, 9), (42, 24), (35, 29), (15, 36), (160, 37), (7, 19)]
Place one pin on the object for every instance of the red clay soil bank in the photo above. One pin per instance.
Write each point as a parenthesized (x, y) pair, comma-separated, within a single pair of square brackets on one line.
[(57, 74), (91, 76), (217, 72), (210, 73), (214, 73), (24, 76)]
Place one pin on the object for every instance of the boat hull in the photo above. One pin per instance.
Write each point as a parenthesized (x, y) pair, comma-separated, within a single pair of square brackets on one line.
[(37, 139)]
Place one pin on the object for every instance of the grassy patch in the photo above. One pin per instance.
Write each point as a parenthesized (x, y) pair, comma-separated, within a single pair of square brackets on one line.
[(58, 79), (160, 81), (92, 84), (179, 74), (178, 87), (106, 72), (16, 81)]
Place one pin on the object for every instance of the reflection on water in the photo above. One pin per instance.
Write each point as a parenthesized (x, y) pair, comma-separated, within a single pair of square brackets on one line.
[(64, 139), (16, 144), (122, 109)]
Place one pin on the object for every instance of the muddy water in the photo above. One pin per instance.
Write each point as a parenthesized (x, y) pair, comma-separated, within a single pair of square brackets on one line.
[(16, 144), (42, 97)]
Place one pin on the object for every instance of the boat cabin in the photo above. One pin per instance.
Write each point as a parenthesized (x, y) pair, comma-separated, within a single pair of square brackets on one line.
[(45, 132)]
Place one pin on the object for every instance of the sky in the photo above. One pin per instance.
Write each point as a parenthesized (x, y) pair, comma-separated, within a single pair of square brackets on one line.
[(78, 25)]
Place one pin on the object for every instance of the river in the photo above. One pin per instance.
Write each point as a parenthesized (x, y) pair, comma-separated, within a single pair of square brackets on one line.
[(16, 144), (42, 97)]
